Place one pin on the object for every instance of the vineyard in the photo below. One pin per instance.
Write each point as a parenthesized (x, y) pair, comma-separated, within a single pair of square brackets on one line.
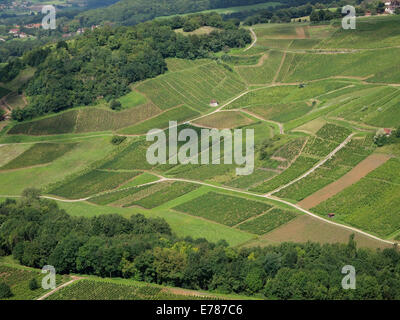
[(223, 209)]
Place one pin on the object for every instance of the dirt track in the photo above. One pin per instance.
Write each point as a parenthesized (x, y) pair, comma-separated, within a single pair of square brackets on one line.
[(359, 171)]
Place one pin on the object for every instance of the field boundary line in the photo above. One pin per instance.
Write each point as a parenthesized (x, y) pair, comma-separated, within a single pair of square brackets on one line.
[(319, 164)]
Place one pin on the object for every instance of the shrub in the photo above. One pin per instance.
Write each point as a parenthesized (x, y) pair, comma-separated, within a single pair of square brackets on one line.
[(116, 140), (115, 105), (5, 291), (33, 284)]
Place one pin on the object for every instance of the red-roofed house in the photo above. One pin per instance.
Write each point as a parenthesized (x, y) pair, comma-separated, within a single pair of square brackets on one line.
[(387, 131)]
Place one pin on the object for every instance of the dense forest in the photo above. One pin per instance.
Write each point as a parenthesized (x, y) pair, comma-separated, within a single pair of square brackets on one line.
[(104, 62), (36, 232)]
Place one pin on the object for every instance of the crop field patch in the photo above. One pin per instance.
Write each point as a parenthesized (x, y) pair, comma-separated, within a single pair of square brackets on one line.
[(161, 121), (333, 132), (175, 64), (299, 167), (173, 191), (368, 34), (264, 73), (98, 119), (335, 171), (282, 112), (370, 204), (131, 157), (107, 290), (313, 66), (40, 153), (224, 120), (194, 87), (224, 209), (91, 183), (268, 221), (61, 123), (132, 99), (257, 177)]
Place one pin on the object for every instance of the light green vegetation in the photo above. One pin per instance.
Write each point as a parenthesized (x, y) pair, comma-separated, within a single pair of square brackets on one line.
[(371, 204), (262, 74), (132, 99), (38, 154), (86, 152), (194, 87), (9, 152), (91, 183), (224, 209), (268, 221), (139, 180)]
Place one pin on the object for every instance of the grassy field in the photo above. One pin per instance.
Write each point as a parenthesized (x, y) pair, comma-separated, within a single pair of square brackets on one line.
[(40, 153)]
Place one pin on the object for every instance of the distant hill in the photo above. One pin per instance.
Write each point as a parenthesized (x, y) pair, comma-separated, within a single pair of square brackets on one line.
[(130, 12)]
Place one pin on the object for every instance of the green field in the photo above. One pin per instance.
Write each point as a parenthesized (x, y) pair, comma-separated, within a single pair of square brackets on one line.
[(194, 87), (91, 183), (38, 154), (268, 221), (224, 209), (372, 203)]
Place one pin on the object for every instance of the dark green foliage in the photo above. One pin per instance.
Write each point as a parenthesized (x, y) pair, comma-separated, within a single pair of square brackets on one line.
[(33, 284), (5, 291), (116, 140), (115, 105), (37, 233)]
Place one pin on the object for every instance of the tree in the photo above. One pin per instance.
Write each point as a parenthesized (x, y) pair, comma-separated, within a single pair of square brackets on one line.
[(5, 291), (33, 284), (115, 105)]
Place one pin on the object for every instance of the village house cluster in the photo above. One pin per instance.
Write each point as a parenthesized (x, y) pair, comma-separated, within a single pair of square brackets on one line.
[(391, 6)]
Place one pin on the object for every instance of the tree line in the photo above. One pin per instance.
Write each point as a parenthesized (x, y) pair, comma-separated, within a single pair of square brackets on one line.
[(36, 232), (101, 64)]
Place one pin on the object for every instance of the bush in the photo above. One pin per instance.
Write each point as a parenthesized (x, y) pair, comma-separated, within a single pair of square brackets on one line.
[(116, 140), (5, 291), (33, 284), (115, 105)]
